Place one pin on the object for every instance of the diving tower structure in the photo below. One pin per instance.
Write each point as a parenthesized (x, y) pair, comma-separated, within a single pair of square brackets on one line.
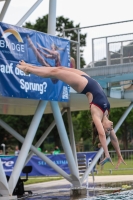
[(117, 96)]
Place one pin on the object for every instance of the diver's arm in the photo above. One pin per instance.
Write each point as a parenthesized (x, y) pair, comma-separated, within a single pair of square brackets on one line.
[(115, 142), (101, 133), (116, 146)]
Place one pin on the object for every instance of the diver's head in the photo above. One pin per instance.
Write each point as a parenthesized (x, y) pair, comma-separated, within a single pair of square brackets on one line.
[(107, 124)]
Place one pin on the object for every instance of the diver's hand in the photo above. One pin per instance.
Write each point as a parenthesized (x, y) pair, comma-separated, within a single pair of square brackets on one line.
[(120, 160), (105, 160)]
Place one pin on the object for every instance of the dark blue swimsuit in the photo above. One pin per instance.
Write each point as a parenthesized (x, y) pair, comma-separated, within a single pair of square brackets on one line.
[(99, 97)]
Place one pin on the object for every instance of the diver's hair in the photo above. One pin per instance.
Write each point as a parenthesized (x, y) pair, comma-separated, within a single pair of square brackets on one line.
[(95, 133)]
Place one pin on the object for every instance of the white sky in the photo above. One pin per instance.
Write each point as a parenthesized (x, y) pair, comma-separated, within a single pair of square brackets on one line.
[(85, 12)]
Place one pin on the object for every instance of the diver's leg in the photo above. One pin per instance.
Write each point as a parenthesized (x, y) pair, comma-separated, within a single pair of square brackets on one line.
[(76, 71), (22, 62), (76, 81)]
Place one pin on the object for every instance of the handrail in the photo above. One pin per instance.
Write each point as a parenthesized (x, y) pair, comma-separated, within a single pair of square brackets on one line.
[(79, 28)]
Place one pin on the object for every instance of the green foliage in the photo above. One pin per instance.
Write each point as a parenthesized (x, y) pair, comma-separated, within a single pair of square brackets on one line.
[(61, 23), (49, 147), (40, 25), (19, 124), (41, 179), (82, 123), (125, 132), (122, 170)]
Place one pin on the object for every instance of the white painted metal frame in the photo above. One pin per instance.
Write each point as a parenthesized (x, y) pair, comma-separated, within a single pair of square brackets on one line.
[(56, 111), (29, 12), (4, 9), (43, 137), (34, 150), (26, 145), (71, 132)]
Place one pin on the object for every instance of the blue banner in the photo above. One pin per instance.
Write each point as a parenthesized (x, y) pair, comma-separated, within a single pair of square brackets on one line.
[(38, 49), (40, 167)]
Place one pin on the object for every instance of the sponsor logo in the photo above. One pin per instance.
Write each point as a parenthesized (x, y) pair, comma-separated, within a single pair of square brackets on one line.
[(105, 105), (8, 163), (8, 32), (7, 43), (65, 94)]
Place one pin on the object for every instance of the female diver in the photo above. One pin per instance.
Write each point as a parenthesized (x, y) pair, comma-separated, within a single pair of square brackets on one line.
[(99, 105)]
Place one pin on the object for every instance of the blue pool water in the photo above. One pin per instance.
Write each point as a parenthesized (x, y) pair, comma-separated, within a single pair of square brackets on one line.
[(124, 195)]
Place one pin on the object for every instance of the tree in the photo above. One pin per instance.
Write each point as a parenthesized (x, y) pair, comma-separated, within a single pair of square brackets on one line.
[(82, 123), (19, 124), (61, 23)]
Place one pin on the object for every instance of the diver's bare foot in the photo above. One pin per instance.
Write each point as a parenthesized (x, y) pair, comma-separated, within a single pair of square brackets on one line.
[(23, 68), (21, 62)]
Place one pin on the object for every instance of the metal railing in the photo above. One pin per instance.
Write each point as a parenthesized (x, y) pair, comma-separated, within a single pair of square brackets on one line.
[(117, 52), (106, 43)]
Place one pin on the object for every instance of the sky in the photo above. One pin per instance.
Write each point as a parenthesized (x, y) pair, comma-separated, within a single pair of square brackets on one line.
[(83, 12)]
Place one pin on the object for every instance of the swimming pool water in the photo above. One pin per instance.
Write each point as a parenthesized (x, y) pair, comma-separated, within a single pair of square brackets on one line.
[(124, 195)]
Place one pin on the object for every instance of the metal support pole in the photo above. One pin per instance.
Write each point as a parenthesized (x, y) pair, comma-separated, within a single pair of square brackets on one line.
[(4, 189), (29, 12), (64, 140), (4, 9), (93, 64), (109, 55), (125, 114), (4, 148), (52, 17), (72, 138), (78, 50), (38, 153), (107, 52), (42, 138), (55, 106), (121, 54), (63, 33), (26, 145), (108, 89), (121, 120)]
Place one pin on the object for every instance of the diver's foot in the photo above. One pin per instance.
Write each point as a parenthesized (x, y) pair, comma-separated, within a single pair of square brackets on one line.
[(23, 68), (105, 160), (21, 62)]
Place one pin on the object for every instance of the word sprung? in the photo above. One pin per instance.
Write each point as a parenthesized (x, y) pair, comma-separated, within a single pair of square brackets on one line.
[(25, 85)]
